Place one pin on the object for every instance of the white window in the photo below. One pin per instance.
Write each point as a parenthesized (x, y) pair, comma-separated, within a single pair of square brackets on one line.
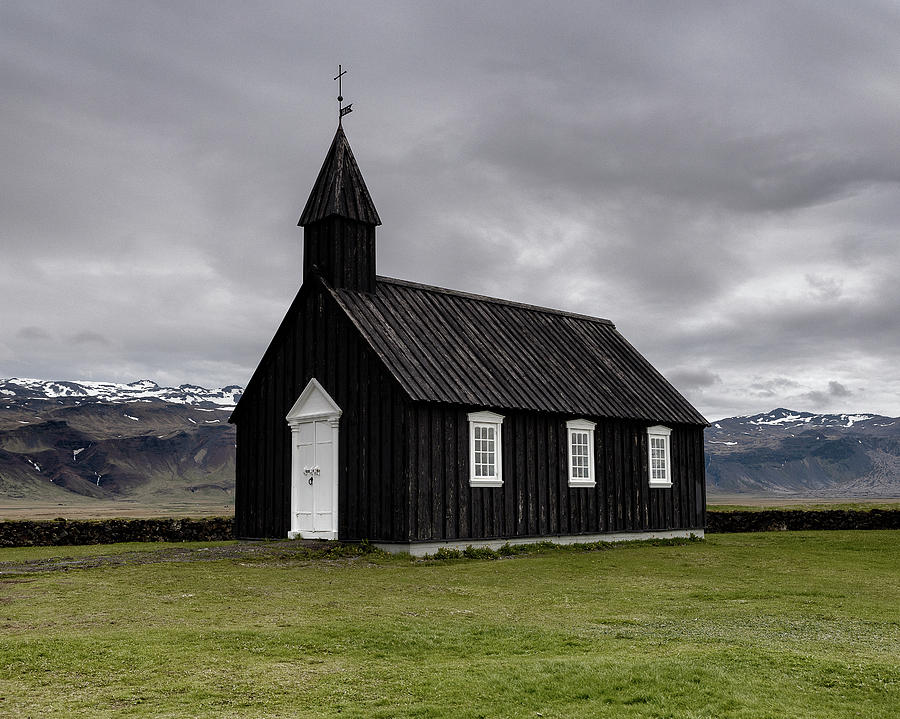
[(660, 462), (485, 449), (581, 452)]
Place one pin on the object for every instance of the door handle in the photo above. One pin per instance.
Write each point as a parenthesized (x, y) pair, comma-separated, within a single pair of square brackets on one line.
[(310, 481)]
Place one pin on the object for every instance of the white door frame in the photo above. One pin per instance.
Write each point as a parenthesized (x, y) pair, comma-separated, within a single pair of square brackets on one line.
[(313, 404)]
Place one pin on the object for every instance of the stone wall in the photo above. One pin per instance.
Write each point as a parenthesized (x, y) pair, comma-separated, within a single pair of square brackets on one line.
[(108, 531), (794, 519)]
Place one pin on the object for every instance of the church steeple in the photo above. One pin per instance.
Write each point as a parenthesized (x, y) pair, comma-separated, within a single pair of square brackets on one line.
[(340, 189), (339, 222)]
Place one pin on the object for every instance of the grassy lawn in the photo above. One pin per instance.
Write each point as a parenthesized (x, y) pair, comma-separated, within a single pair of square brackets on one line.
[(786, 624), (24, 554)]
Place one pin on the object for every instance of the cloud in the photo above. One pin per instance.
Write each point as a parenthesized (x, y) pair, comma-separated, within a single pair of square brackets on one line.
[(776, 386), (824, 288), (693, 378), (826, 397), (836, 389), (88, 337), (32, 333), (722, 181)]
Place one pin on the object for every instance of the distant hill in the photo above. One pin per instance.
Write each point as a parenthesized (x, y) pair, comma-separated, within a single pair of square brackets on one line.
[(137, 441), (790, 453)]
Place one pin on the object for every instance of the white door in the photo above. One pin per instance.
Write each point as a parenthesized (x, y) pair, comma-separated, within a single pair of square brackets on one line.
[(314, 420), (314, 481)]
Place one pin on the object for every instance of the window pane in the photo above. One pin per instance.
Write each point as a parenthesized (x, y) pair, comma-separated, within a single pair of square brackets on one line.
[(579, 455), (484, 447), (658, 460)]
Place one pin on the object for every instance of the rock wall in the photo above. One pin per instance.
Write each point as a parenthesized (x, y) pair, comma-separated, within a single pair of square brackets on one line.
[(108, 531), (794, 519)]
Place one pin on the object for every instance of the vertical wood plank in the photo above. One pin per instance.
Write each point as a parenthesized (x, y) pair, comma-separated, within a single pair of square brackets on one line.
[(540, 474), (519, 478), (412, 469), (510, 485), (629, 485), (423, 473), (620, 475), (278, 464), (464, 491), (531, 474), (400, 472), (449, 440), (438, 498), (550, 476), (599, 490)]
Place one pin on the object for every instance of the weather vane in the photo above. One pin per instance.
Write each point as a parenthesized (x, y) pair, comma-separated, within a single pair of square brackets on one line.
[(341, 109)]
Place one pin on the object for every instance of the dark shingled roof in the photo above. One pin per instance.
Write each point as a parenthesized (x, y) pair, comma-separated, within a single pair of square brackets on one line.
[(448, 346), (340, 188)]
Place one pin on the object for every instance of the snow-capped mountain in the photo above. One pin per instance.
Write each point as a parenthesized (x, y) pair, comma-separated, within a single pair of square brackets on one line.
[(62, 442), (20, 388), (786, 452)]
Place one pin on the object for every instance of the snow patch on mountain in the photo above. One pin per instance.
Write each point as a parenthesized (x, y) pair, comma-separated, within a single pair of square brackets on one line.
[(782, 416), (854, 418)]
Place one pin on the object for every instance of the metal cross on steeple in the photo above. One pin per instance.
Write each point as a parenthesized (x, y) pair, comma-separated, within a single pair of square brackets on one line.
[(341, 109)]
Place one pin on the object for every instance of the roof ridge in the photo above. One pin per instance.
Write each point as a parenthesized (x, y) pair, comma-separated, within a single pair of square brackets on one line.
[(492, 300)]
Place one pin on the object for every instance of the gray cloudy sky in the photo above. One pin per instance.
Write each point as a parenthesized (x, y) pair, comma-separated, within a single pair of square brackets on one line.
[(722, 180)]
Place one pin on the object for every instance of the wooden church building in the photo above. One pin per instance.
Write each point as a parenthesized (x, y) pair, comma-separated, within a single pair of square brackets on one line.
[(417, 417)]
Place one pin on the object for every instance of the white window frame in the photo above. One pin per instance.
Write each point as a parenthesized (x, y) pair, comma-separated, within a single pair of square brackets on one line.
[(495, 422), (664, 433), (581, 426)]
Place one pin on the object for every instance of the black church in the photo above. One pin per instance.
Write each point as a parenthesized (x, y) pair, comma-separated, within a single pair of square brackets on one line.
[(417, 417)]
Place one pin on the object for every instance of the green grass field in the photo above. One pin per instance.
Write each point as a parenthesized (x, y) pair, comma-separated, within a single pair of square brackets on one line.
[(803, 624)]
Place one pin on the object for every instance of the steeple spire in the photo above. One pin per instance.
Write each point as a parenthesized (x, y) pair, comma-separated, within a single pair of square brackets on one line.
[(340, 189)]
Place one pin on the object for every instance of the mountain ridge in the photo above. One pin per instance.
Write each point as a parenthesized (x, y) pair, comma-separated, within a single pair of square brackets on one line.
[(143, 442), (62, 441), (138, 391), (804, 454)]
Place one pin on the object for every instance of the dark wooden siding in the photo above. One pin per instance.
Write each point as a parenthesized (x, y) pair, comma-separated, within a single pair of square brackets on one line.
[(316, 340), (535, 499), (343, 251)]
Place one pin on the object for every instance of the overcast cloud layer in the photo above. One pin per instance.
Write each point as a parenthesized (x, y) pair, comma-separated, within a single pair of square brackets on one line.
[(720, 180)]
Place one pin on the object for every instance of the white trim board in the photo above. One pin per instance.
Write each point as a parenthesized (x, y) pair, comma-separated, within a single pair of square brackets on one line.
[(420, 549)]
